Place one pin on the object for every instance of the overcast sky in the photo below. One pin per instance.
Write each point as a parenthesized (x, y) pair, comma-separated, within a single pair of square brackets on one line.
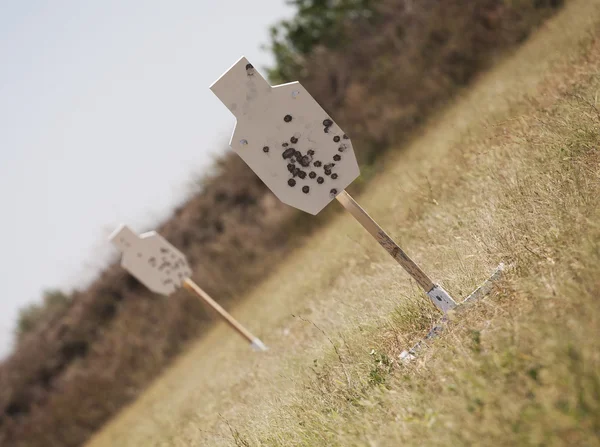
[(106, 117)]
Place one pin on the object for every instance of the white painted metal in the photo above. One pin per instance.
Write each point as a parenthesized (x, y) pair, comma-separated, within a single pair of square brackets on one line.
[(286, 138), (258, 345), (484, 289), (151, 260), (441, 299)]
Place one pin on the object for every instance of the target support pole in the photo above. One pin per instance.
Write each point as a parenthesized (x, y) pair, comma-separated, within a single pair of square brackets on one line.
[(438, 296), (256, 343)]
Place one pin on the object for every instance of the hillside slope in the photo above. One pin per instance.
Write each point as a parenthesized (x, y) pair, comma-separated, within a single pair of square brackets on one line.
[(80, 364), (510, 173)]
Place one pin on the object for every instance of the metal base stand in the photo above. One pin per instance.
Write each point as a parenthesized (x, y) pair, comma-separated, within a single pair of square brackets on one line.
[(478, 293)]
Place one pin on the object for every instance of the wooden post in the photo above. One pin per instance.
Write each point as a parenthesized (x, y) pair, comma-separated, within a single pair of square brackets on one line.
[(193, 287), (439, 297)]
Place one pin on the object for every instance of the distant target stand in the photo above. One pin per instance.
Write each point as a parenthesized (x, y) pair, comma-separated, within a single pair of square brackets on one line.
[(307, 160), (163, 269)]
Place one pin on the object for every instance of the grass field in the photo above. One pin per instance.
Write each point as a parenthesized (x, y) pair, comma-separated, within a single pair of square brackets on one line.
[(510, 173)]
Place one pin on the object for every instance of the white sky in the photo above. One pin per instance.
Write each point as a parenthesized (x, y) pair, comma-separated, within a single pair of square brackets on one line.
[(106, 117)]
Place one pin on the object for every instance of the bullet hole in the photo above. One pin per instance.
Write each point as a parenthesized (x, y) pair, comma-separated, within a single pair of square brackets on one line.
[(294, 140), (250, 70), (342, 148), (305, 161), (287, 118), (327, 123), (302, 174), (317, 163), (311, 152), (163, 265), (298, 155), (337, 157), (327, 171), (249, 66), (295, 93), (320, 180), (333, 192), (334, 176), (336, 139), (312, 174), (290, 167), (329, 166), (288, 153), (305, 189), (345, 137), (326, 130), (266, 149), (285, 144), (292, 182), (295, 172), (243, 142)]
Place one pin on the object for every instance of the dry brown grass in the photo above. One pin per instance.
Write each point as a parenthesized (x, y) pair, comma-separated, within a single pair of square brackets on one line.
[(510, 173), (85, 362)]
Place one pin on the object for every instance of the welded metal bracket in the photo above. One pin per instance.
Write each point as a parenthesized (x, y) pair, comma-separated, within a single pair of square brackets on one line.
[(481, 291)]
